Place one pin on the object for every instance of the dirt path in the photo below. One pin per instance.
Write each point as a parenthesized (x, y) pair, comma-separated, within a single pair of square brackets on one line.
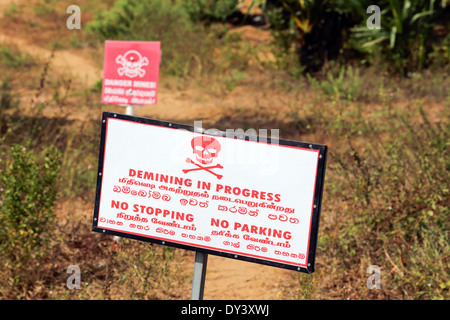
[(226, 278), (64, 62)]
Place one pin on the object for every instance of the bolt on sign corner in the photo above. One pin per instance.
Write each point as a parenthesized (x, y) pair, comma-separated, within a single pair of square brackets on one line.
[(130, 72), (253, 199)]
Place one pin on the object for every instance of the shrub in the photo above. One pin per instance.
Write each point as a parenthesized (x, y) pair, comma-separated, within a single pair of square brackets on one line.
[(28, 192), (210, 10), (398, 206), (14, 59), (407, 33), (315, 26), (7, 102), (345, 85), (324, 29)]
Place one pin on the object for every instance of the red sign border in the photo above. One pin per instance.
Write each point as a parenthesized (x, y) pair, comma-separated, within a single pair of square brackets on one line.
[(307, 267)]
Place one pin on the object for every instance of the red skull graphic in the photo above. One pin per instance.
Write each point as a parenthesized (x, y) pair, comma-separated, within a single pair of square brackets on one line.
[(205, 148)]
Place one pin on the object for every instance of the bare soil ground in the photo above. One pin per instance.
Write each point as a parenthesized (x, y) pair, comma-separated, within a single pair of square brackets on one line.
[(230, 279)]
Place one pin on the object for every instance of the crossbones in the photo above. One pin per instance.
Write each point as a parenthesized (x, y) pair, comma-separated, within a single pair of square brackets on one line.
[(200, 167)]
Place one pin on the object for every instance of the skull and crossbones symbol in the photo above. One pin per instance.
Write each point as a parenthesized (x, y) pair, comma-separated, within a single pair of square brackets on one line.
[(206, 149), (132, 62)]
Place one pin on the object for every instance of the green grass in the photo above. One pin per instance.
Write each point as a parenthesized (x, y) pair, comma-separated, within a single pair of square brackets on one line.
[(11, 57)]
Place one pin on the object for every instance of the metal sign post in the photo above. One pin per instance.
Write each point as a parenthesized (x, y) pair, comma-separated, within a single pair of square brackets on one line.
[(198, 280), (129, 110)]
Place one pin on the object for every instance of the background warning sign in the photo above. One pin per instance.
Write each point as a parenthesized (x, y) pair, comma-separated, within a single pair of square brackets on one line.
[(130, 72)]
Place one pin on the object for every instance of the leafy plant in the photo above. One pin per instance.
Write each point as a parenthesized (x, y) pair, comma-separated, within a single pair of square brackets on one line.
[(210, 10), (14, 59), (28, 193), (407, 31), (345, 85), (320, 29), (7, 102)]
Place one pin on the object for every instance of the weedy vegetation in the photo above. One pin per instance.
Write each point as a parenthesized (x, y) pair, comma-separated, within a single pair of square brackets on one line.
[(378, 98)]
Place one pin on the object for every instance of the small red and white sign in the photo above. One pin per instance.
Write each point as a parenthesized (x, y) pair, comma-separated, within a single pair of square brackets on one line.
[(251, 200), (130, 72)]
